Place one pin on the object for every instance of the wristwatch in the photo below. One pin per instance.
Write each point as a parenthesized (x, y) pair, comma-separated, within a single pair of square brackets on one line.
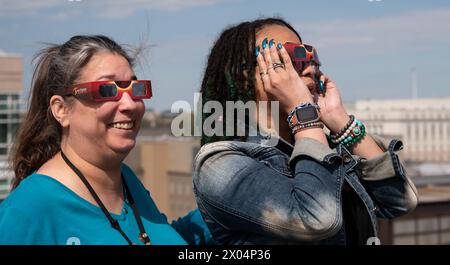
[(303, 114)]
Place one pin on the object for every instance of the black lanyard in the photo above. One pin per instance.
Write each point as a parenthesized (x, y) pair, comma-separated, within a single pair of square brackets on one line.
[(114, 223)]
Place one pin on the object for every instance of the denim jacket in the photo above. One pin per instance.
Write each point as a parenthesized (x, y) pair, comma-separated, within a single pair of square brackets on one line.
[(310, 193)]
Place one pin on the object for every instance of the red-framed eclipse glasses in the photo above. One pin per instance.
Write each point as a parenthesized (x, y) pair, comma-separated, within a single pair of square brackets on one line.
[(101, 91), (301, 54)]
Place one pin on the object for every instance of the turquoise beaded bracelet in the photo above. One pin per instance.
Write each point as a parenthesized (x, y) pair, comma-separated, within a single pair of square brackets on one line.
[(351, 135)]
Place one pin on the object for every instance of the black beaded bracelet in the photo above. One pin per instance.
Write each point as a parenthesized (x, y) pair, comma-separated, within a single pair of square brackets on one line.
[(299, 127), (342, 131)]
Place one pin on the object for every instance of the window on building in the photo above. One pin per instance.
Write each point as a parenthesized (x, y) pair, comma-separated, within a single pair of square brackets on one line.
[(3, 102), (403, 232), (14, 128), (422, 231), (3, 133), (4, 187), (179, 189), (428, 229), (445, 230), (188, 189), (448, 130)]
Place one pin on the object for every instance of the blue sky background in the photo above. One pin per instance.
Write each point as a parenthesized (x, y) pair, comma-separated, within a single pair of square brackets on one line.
[(367, 47)]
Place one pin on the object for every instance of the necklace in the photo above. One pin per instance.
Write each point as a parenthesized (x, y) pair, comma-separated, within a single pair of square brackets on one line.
[(114, 223)]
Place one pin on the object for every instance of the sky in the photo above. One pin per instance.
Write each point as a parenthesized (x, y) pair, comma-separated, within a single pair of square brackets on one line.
[(368, 47)]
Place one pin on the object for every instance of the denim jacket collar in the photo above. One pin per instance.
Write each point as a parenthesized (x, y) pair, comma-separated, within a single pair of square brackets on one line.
[(281, 144)]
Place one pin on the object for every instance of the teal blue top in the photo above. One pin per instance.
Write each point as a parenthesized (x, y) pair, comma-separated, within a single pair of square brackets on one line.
[(41, 210)]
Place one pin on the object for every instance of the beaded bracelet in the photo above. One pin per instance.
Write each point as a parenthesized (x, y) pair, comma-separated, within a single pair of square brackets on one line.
[(342, 131), (352, 135), (353, 139), (339, 138), (300, 127)]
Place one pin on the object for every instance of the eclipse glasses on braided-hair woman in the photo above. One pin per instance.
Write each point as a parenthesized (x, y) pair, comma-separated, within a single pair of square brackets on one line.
[(310, 187)]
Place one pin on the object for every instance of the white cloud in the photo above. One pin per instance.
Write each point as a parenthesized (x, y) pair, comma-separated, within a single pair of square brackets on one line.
[(109, 8), (21, 7), (120, 9), (413, 29), (158, 4), (65, 14), (4, 53)]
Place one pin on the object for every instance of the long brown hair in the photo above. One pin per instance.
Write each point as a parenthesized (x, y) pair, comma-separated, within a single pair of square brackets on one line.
[(57, 67)]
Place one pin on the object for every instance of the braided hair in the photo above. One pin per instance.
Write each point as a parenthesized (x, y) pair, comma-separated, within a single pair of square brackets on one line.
[(232, 55)]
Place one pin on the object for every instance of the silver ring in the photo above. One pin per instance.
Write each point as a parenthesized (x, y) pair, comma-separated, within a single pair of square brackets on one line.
[(277, 65), (263, 73)]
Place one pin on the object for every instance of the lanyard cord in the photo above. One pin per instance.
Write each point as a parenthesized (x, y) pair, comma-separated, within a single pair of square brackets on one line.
[(142, 235), (114, 223)]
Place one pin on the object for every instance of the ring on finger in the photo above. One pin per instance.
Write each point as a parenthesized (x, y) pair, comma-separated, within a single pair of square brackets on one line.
[(277, 65), (263, 73)]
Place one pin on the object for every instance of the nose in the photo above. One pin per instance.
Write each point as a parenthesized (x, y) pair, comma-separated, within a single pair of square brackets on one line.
[(126, 103)]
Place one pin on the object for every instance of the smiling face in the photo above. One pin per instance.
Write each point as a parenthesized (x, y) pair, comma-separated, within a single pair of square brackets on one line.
[(282, 34), (105, 127)]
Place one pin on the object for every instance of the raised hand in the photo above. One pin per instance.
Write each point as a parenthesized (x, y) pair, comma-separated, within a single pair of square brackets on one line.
[(332, 111), (279, 77)]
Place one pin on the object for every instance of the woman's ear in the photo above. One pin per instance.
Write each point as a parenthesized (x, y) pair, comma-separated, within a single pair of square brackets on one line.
[(60, 110)]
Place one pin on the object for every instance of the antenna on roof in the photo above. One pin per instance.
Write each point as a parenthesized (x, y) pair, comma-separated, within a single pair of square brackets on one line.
[(414, 88)]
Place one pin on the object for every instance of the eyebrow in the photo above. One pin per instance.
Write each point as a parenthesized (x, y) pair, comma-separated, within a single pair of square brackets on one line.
[(112, 77)]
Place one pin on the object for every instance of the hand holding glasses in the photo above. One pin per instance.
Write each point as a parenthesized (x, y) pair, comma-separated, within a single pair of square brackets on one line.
[(302, 55)]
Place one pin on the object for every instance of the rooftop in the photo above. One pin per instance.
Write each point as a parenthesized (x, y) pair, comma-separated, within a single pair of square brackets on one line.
[(404, 104)]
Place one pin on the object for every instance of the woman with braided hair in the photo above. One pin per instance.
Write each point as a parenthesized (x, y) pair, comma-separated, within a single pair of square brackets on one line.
[(310, 187)]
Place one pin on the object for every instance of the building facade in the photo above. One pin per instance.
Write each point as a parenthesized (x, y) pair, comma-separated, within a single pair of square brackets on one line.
[(11, 84), (164, 165), (422, 124)]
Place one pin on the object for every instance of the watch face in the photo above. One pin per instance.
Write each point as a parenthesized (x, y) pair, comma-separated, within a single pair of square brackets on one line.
[(307, 114)]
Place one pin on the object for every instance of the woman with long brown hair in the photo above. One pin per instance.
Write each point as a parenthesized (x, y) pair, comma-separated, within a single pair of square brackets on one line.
[(70, 185)]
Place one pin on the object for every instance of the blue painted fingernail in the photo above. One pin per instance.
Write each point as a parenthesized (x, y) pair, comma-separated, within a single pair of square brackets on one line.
[(271, 43), (279, 46), (321, 86), (264, 43), (257, 51)]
